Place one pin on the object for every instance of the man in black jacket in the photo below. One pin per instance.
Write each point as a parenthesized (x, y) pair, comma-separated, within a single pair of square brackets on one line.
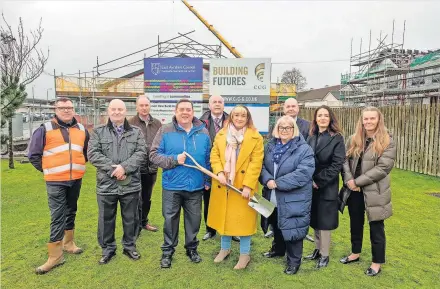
[(214, 119), (149, 126), (291, 108)]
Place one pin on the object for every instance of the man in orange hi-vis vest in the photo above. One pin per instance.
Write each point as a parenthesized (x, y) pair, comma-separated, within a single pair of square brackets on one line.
[(58, 148)]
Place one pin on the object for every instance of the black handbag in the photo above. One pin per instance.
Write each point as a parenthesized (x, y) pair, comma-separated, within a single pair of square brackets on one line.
[(343, 195)]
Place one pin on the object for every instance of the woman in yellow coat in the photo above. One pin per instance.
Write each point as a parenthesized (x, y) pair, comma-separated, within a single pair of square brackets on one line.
[(237, 158)]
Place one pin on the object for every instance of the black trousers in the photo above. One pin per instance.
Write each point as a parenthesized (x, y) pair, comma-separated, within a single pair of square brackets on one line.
[(62, 198), (293, 249), (206, 196), (356, 209), (147, 182), (172, 202), (108, 205)]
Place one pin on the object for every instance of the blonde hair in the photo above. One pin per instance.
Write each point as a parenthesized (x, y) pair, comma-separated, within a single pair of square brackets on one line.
[(240, 109), (290, 121), (381, 138)]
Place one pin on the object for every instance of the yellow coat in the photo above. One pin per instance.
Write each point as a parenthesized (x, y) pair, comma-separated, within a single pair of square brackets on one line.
[(229, 214)]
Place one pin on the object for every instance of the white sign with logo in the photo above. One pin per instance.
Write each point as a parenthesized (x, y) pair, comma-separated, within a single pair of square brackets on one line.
[(243, 81)]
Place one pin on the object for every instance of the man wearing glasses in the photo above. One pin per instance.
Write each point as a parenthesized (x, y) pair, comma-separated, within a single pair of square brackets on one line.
[(59, 149)]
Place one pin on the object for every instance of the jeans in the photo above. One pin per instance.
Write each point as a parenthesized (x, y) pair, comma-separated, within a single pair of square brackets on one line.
[(245, 243)]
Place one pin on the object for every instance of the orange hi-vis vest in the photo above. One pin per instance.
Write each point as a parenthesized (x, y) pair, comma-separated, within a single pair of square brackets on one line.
[(64, 161)]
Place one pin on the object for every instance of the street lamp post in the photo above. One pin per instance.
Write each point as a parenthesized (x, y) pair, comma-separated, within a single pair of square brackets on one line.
[(31, 113), (47, 99)]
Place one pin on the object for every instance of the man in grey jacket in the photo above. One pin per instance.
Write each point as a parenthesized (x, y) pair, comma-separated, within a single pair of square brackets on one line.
[(117, 150)]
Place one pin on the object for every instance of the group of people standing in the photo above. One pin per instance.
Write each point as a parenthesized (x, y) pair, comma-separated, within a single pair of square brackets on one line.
[(298, 168)]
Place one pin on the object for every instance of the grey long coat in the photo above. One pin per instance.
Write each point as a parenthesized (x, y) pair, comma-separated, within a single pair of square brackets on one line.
[(374, 180)]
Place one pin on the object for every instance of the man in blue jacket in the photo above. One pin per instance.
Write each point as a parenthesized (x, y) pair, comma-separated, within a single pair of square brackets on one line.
[(182, 186)]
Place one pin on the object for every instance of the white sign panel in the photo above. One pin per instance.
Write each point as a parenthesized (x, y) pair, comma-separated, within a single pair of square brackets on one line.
[(243, 81), (164, 104)]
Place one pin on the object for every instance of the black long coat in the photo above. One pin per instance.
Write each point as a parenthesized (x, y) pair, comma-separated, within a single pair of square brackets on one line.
[(329, 158)]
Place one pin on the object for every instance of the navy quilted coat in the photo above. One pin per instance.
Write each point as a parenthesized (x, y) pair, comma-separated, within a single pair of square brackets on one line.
[(294, 186)]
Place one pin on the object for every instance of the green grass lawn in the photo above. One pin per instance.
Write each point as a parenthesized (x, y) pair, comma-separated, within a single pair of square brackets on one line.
[(413, 238)]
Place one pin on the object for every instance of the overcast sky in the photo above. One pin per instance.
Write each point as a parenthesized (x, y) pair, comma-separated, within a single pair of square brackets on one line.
[(301, 33)]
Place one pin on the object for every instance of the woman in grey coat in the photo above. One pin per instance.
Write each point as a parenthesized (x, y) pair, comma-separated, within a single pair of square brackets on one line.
[(370, 158)]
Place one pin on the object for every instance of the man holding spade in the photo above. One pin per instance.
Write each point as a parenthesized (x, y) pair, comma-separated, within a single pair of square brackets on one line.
[(182, 187)]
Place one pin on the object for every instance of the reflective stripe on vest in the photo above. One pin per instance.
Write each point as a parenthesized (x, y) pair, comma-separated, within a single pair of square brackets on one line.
[(64, 168), (61, 148)]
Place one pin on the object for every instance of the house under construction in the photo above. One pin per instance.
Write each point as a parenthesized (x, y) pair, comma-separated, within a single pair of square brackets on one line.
[(92, 90), (389, 75)]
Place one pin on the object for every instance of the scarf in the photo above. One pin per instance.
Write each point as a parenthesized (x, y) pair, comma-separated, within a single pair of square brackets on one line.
[(233, 142), (280, 149)]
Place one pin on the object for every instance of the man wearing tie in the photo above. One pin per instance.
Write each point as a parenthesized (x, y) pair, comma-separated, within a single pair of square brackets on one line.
[(213, 119)]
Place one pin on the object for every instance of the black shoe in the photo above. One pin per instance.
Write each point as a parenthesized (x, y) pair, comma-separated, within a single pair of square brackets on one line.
[(371, 272), (272, 254), (322, 262), (208, 235), (236, 239), (314, 256), (346, 260), (131, 254), (165, 262), (291, 270), (193, 256), (106, 258)]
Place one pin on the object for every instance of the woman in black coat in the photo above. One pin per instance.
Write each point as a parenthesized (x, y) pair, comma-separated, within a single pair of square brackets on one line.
[(328, 144)]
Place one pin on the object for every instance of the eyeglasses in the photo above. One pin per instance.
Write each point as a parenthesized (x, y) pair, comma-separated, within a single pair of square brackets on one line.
[(285, 128), (67, 108)]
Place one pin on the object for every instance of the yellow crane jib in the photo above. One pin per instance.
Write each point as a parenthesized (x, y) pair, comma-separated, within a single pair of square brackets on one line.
[(212, 29)]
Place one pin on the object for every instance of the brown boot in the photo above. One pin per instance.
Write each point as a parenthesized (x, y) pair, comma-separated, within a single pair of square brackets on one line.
[(69, 245), (243, 261), (55, 259), (222, 255)]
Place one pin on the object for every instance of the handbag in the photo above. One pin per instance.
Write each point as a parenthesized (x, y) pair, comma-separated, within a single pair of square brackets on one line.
[(343, 195)]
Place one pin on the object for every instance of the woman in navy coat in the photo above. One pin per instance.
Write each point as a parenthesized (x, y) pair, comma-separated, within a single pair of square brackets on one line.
[(286, 175)]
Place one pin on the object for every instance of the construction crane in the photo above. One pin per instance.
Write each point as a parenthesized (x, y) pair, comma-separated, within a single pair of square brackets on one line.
[(275, 90), (212, 29)]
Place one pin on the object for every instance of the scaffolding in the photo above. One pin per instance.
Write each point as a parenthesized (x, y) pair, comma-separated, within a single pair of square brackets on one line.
[(388, 74), (91, 90)]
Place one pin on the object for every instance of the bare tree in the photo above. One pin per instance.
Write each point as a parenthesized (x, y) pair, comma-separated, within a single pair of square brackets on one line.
[(22, 63), (294, 76)]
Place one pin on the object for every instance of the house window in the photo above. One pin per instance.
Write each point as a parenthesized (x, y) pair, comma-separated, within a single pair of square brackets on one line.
[(418, 78), (436, 75), (393, 83)]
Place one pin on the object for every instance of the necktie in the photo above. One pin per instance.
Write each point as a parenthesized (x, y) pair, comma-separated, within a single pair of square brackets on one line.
[(217, 125), (119, 130)]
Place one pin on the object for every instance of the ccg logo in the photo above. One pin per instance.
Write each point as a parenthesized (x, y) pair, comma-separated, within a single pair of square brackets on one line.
[(155, 68), (259, 72)]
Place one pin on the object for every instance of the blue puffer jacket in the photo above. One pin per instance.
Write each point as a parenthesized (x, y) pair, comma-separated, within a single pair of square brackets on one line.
[(170, 141), (294, 186)]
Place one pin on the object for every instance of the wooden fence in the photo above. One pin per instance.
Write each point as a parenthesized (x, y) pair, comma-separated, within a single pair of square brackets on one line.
[(415, 130)]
